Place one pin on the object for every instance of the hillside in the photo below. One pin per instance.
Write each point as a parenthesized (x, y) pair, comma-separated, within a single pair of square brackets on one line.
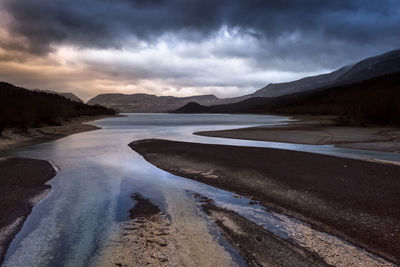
[(70, 96), (373, 101), (20, 107), (368, 68), (149, 103), (304, 84), (365, 69)]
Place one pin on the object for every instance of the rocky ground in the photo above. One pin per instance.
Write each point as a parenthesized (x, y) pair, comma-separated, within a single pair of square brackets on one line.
[(150, 238), (353, 199), (142, 240), (258, 246)]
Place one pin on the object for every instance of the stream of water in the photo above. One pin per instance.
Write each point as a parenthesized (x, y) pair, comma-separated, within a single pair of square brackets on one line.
[(99, 172)]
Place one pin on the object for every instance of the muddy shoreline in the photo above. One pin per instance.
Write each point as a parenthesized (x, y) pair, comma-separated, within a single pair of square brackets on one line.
[(22, 187), (353, 199), (255, 244), (152, 237), (13, 138), (23, 179), (141, 240), (318, 131)]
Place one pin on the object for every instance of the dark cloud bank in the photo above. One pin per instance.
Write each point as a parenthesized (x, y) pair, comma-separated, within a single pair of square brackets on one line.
[(310, 29), (184, 47)]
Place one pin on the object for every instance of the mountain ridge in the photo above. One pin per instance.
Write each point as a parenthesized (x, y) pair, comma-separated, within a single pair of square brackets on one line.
[(372, 101), (67, 95), (148, 103), (24, 108), (371, 67)]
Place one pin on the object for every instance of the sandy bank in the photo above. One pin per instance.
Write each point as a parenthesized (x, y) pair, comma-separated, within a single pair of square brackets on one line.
[(152, 238), (140, 241), (22, 186), (354, 199), (258, 246), (319, 131), (12, 138)]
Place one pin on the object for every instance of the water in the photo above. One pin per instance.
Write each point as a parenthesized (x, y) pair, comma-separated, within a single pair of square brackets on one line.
[(98, 173)]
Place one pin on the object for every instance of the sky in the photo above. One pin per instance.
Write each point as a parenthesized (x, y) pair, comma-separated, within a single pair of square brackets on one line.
[(186, 47)]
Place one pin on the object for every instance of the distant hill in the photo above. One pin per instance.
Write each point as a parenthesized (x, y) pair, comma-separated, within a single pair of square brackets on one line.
[(372, 101), (69, 96), (365, 69), (368, 68), (304, 84), (72, 97), (149, 103), (20, 107)]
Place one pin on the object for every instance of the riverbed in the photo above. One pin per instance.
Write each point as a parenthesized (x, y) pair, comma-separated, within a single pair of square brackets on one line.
[(98, 173)]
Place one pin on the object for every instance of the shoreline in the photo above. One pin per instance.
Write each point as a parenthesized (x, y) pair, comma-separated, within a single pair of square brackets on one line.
[(257, 246), (154, 237), (23, 186), (19, 200), (15, 138), (140, 240), (348, 197), (318, 130)]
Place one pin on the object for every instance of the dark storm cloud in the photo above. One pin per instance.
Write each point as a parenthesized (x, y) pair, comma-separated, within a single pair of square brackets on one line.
[(184, 47), (107, 23)]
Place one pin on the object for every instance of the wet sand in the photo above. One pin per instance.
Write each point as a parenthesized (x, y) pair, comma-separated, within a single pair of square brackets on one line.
[(152, 238), (22, 187), (12, 138), (353, 199), (140, 241), (319, 131), (258, 246)]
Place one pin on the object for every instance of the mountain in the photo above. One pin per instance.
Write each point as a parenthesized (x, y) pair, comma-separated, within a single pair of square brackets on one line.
[(372, 101), (69, 96), (365, 69), (368, 68), (304, 84), (149, 103), (372, 67), (20, 107)]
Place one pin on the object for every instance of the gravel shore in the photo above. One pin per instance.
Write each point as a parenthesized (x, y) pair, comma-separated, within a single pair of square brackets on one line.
[(319, 131), (354, 199), (22, 186), (12, 138), (255, 244)]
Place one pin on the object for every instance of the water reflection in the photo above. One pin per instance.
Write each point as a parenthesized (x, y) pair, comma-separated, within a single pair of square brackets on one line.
[(99, 172)]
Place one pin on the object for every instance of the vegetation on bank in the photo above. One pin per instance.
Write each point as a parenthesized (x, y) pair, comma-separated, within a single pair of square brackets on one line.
[(373, 101), (23, 108)]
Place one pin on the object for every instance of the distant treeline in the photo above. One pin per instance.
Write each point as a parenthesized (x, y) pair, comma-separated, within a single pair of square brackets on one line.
[(374, 101), (24, 108)]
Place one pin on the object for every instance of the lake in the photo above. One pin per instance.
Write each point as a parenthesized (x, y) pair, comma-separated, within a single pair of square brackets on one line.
[(98, 173)]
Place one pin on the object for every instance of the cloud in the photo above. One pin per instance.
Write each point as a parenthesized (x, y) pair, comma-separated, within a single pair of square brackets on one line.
[(227, 47), (104, 23)]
